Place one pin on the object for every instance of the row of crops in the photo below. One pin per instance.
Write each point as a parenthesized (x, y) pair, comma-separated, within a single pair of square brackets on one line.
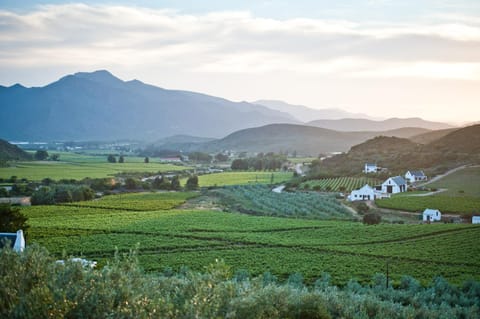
[(446, 204), (339, 184), (260, 199)]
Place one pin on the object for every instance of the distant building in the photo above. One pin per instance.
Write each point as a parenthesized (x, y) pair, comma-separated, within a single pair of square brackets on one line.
[(415, 176), (394, 185), (364, 193), (475, 219), (15, 240), (370, 168), (431, 215), (170, 159)]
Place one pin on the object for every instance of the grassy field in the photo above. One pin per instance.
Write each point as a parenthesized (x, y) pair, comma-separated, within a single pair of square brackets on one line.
[(241, 178), (39, 170), (195, 238), (465, 182)]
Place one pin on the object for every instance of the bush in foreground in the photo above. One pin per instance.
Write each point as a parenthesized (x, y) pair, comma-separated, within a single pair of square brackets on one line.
[(33, 285)]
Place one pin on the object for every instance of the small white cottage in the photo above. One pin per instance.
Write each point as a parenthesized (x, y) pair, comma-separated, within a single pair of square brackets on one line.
[(475, 219), (370, 168), (15, 240), (431, 215), (364, 193), (394, 185), (415, 176)]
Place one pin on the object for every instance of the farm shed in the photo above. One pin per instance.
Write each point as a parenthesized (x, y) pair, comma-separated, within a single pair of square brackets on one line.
[(370, 168), (431, 215), (364, 193), (394, 185), (475, 219), (415, 176), (16, 240)]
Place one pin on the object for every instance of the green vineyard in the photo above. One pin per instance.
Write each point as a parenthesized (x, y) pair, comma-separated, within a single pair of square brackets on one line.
[(339, 184)]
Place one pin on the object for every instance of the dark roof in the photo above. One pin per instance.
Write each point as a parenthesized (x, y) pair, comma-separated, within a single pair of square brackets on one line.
[(417, 173), (398, 180), (7, 237)]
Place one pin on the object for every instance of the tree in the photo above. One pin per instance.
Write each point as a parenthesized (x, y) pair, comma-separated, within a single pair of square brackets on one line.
[(146, 160), (130, 183), (41, 155), (121, 159), (11, 219), (372, 219), (55, 157), (239, 164), (175, 184), (111, 158), (192, 183), (221, 157)]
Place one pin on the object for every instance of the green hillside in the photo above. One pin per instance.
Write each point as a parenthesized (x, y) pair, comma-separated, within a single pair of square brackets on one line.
[(12, 152)]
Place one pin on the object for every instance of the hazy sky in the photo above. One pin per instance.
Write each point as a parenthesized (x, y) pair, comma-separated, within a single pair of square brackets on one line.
[(384, 58)]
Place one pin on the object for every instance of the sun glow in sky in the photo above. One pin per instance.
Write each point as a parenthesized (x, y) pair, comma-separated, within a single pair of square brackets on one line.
[(384, 58)]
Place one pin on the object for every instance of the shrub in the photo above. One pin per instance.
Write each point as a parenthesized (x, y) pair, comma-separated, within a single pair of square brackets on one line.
[(372, 219)]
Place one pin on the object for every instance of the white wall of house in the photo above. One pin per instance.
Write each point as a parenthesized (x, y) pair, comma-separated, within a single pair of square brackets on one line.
[(475, 219), (431, 215), (414, 178), (364, 193), (370, 168)]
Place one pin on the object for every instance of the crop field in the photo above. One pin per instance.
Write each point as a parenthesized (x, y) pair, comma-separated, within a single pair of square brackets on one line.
[(241, 178), (39, 170), (446, 204), (261, 200), (195, 238), (139, 201), (336, 184)]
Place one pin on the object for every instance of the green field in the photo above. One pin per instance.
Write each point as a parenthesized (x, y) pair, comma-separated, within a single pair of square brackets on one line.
[(195, 238), (336, 184), (39, 170), (465, 182), (240, 178)]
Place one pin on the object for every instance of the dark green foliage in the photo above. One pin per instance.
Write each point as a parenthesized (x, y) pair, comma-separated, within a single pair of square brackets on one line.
[(146, 160), (41, 155), (49, 195), (11, 219), (200, 157), (372, 219), (192, 183), (175, 183), (221, 157), (111, 158), (269, 161), (32, 285), (161, 183), (131, 183), (10, 152), (121, 159), (55, 157), (361, 207)]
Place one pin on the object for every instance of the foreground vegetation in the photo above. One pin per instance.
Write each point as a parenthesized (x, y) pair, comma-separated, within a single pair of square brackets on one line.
[(121, 289)]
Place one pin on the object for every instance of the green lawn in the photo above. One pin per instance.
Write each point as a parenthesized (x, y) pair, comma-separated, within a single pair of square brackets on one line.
[(195, 238)]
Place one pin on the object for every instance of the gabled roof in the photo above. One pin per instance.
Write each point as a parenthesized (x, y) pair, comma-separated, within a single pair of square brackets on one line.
[(430, 211), (417, 173), (366, 187), (398, 180), (370, 164)]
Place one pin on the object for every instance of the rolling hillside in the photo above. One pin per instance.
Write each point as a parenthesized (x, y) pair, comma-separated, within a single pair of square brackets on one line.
[(99, 106), (12, 152), (398, 155)]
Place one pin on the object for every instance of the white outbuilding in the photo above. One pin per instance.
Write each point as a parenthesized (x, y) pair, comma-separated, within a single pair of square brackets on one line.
[(370, 168), (394, 185), (431, 215), (475, 219), (415, 176), (364, 193), (15, 240)]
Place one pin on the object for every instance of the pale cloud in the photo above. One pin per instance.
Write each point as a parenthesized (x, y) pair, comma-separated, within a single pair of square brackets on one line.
[(279, 57)]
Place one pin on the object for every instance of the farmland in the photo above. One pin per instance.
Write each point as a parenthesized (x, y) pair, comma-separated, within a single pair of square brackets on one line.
[(195, 238), (341, 183), (465, 182), (240, 178), (259, 199), (39, 170)]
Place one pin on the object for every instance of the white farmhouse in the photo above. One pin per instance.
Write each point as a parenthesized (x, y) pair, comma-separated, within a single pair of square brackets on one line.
[(16, 240), (364, 193), (475, 219), (370, 168), (394, 185), (415, 176), (431, 215)]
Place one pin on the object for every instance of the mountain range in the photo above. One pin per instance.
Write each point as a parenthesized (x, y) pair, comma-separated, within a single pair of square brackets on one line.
[(99, 106)]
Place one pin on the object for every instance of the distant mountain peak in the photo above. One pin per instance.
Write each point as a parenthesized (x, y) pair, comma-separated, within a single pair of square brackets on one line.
[(102, 76)]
